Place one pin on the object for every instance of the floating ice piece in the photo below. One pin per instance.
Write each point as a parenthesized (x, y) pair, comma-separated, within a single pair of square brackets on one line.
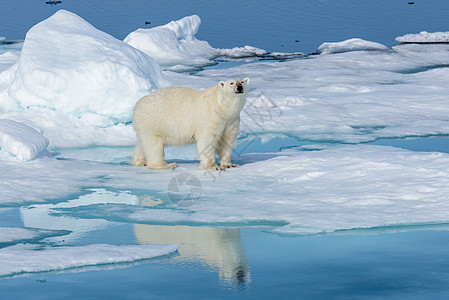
[(18, 234), (68, 65), (22, 258), (354, 44), (425, 37), (21, 140), (241, 52), (174, 44)]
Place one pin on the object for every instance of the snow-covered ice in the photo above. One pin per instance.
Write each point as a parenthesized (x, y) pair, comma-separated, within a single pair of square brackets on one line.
[(69, 66), (20, 234), (348, 97), (424, 37), (309, 192), (297, 192), (21, 140), (25, 258), (174, 45), (354, 44)]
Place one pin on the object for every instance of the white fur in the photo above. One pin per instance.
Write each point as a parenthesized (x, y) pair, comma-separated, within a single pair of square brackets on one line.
[(181, 116)]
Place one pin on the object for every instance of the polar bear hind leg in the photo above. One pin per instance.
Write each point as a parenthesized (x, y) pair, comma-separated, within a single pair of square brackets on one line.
[(138, 156)]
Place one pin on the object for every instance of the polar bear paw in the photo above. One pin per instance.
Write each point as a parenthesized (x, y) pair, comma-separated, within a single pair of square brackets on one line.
[(163, 166), (212, 167), (228, 166)]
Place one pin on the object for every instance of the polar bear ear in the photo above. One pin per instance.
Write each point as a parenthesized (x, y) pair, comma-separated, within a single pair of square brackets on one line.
[(246, 80), (221, 84)]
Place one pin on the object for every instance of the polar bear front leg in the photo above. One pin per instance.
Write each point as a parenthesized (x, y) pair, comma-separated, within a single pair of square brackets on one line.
[(153, 147), (226, 144), (206, 151)]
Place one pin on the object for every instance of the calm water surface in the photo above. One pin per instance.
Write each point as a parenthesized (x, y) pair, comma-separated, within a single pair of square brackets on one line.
[(282, 25)]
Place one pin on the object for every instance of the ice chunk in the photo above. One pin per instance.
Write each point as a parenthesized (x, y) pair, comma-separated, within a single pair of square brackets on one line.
[(174, 44), (21, 140), (354, 44), (241, 52), (425, 37), (175, 47), (69, 66), (18, 234), (22, 258)]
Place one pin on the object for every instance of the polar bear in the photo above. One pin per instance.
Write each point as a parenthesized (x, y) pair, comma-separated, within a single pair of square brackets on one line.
[(181, 116)]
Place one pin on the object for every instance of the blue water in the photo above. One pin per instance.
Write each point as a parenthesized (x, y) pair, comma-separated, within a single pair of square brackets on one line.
[(285, 25), (409, 265), (247, 262)]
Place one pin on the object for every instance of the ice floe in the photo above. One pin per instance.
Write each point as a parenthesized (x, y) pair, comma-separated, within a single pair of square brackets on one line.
[(425, 37), (174, 45), (27, 258), (308, 192), (354, 44), (293, 192), (10, 235)]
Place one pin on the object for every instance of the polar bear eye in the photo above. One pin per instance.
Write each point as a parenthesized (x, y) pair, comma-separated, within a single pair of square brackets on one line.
[(232, 83)]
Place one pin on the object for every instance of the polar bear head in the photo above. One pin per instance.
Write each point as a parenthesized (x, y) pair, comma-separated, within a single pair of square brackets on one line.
[(235, 86), (233, 95)]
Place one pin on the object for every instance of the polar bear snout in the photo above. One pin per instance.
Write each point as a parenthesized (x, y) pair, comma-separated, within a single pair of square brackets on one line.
[(239, 86)]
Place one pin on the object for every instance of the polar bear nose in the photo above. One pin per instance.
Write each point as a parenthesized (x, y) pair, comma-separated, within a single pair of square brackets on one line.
[(240, 89)]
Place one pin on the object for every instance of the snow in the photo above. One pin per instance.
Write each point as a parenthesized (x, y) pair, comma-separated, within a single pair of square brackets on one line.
[(354, 44), (425, 37), (24, 258), (69, 66), (21, 140), (174, 44)]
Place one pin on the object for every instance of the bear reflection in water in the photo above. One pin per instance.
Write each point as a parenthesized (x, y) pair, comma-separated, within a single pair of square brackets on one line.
[(218, 248)]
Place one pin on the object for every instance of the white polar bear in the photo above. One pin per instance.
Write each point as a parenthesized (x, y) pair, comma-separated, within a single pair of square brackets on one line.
[(181, 116)]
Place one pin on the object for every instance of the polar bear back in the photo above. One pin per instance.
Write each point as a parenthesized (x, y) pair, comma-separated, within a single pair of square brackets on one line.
[(173, 113)]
